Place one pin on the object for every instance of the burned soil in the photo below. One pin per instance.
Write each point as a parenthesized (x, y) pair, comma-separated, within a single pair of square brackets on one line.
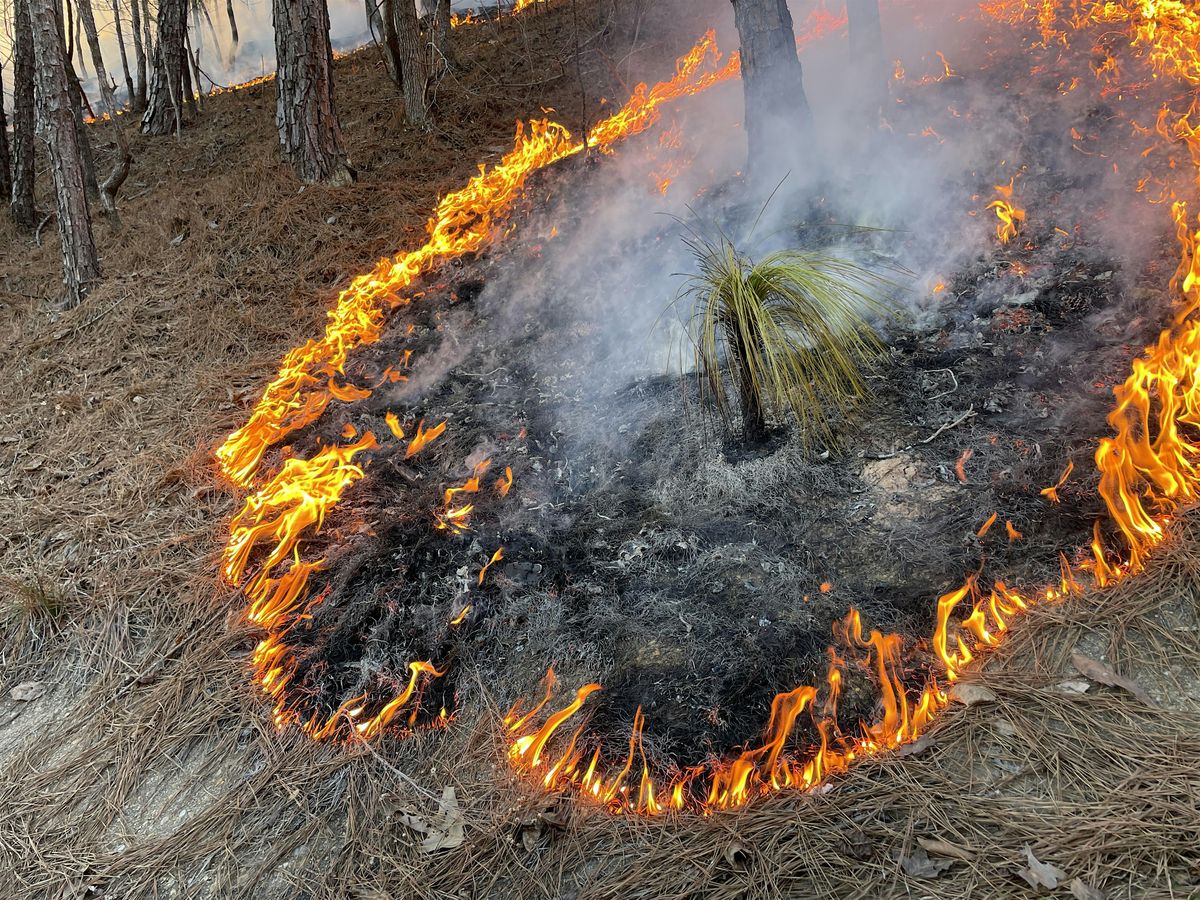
[(645, 549)]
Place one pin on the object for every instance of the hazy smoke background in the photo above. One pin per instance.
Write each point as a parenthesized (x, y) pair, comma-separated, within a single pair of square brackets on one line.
[(219, 61)]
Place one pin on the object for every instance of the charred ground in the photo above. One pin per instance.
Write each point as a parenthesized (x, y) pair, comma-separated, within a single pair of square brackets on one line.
[(649, 551)]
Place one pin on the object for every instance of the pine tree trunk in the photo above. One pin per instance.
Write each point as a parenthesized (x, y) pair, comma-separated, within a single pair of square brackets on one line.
[(233, 32), (81, 266), (164, 104), (383, 14), (866, 49), (111, 185), (414, 63), (309, 132), (779, 124), (24, 211), (441, 36), (80, 108), (5, 156), (147, 39), (754, 417), (137, 102), (191, 74), (116, 8)]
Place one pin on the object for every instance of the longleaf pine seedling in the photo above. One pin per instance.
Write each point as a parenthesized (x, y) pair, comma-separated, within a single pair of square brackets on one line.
[(789, 334)]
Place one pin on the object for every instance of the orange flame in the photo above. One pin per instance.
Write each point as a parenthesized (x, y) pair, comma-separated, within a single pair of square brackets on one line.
[(1011, 217), (1147, 470), (423, 438)]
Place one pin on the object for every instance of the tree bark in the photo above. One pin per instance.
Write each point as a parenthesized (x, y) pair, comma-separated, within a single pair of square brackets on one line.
[(866, 49), (164, 104), (754, 417), (24, 211), (116, 8), (779, 124), (137, 102), (382, 13), (80, 108), (148, 38), (441, 36), (111, 185), (233, 32), (305, 114), (81, 265), (414, 63), (5, 156), (191, 74)]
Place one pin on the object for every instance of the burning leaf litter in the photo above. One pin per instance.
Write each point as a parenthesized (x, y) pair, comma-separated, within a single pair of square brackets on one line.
[(1146, 473)]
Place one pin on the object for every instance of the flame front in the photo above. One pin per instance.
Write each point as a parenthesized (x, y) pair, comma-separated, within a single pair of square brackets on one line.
[(1148, 467)]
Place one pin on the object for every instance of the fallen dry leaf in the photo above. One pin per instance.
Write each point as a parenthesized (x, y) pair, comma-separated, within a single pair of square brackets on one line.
[(918, 864), (920, 745), (969, 694), (1073, 687), (446, 829), (737, 855), (938, 847), (1081, 890), (1099, 672), (1039, 874), (27, 690)]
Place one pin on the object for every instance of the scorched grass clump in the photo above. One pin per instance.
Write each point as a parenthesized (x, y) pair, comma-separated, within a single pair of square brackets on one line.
[(787, 334)]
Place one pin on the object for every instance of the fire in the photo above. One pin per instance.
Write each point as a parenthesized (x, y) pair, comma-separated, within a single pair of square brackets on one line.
[(454, 518), (294, 500), (423, 438), (504, 485), (1149, 467), (297, 498), (1051, 493), (1011, 217), (625, 784), (465, 221), (496, 557)]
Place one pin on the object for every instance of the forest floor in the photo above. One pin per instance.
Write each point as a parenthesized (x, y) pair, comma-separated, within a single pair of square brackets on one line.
[(138, 760)]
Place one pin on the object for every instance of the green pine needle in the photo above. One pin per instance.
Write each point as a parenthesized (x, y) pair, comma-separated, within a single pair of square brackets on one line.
[(791, 330)]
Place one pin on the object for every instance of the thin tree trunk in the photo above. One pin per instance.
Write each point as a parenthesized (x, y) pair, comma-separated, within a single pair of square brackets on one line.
[(137, 102), (309, 132), (441, 36), (148, 38), (81, 265), (116, 8), (191, 75), (164, 111), (189, 94), (414, 63), (779, 123), (866, 49), (383, 13), (233, 32), (5, 156), (24, 211), (69, 34), (82, 108), (111, 185)]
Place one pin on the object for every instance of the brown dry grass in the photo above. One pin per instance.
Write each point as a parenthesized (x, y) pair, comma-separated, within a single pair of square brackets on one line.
[(150, 769)]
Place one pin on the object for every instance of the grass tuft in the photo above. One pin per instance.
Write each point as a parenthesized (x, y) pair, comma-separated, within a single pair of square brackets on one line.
[(788, 335)]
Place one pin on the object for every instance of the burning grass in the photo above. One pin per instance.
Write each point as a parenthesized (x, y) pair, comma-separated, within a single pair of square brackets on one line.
[(333, 664), (1034, 766)]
